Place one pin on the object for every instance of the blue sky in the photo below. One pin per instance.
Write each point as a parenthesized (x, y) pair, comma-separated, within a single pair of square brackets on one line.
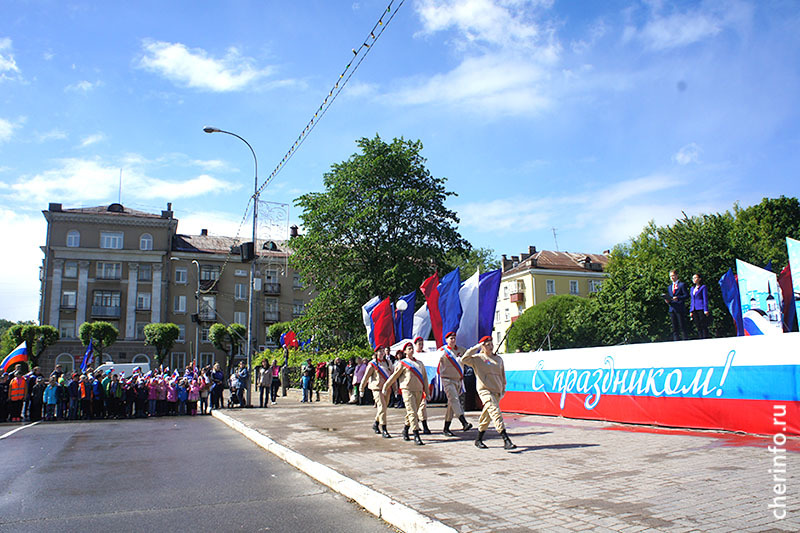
[(588, 117)]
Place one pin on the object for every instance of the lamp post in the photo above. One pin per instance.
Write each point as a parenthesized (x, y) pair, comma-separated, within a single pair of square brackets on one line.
[(252, 301)]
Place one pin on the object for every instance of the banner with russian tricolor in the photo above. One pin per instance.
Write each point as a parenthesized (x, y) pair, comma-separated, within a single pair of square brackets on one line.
[(732, 384), (17, 355)]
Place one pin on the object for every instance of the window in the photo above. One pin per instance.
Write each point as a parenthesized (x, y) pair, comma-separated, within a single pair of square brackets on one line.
[(140, 358), (140, 330), (204, 335), (270, 275), (181, 333), (573, 287), (73, 239), (594, 285), (298, 308), (206, 359), (111, 240), (180, 276), (70, 269), (67, 363), (240, 317), (106, 298), (297, 283), (497, 316), (507, 315), (177, 360), (180, 304), (209, 273), (66, 329), (143, 301), (68, 299), (146, 242), (208, 307), (271, 304), (551, 286), (505, 291), (109, 270), (240, 273), (240, 292), (145, 273)]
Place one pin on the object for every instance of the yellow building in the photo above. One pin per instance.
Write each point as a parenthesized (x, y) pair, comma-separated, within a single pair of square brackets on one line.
[(534, 276)]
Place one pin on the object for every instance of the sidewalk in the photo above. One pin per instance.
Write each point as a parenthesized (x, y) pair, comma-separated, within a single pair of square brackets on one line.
[(565, 475)]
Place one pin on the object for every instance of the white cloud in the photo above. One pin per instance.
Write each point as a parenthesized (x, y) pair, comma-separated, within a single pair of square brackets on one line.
[(87, 181), (19, 279), (83, 86), (688, 154), (52, 135), (8, 66), (209, 164), (6, 129), (92, 139), (195, 68)]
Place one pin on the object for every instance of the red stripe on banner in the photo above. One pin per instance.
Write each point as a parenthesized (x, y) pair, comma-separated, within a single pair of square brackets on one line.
[(764, 417)]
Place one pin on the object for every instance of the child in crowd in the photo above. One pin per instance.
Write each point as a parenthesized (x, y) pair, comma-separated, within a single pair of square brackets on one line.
[(193, 396), (182, 392), (51, 399), (172, 398)]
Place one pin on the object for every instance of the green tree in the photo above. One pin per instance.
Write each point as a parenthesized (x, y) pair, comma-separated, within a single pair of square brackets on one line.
[(468, 260), (380, 227), (556, 317), (275, 331), (630, 307), (101, 334), (229, 339), (38, 339), (6, 340), (162, 336)]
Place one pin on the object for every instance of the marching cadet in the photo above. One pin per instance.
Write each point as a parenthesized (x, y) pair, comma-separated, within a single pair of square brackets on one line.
[(422, 412), (452, 381), (491, 378), (410, 374), (377, 373)]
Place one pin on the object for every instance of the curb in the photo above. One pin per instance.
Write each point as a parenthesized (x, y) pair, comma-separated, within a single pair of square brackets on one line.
[(387, 509)]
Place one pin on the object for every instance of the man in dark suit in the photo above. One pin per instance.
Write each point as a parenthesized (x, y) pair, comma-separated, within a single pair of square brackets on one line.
[(676, 297)]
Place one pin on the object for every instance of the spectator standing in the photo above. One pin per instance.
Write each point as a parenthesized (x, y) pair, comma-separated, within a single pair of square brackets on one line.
[(358, 375), (276, 380), (217, 385), (676, 297), (17, 389), (51, 398), (264, 381), (308, 372), (698, 308), (3, 397), (37, 399)]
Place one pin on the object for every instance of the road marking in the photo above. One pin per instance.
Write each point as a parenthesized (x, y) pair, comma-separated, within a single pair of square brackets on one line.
[(18, 429)]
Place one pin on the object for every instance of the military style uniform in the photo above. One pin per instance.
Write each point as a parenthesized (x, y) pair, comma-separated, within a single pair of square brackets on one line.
[(491, 384), (374, 380), (413, 380), (452, 375)]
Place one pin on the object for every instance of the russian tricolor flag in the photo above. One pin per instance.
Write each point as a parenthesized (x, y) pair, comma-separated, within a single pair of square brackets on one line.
[(17, 355)]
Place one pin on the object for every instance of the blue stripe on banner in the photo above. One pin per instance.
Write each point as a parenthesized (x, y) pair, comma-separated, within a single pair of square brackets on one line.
[(768, 382)]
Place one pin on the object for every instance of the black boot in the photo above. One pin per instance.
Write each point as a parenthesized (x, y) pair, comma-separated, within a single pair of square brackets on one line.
[(479, 441), (508, 444), (425, 429), (465, 426), (447, 429), (375, 428), (385, 433), (417, 440), (405, 432)]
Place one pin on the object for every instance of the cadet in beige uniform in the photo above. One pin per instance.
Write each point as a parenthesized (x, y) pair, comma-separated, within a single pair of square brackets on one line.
[(378, 371), (412, 378), (422, 413), (452, 375), (491, 377)]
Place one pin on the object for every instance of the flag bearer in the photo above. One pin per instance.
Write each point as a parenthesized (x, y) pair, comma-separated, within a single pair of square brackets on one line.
[(452, 375), (491, 377), (377, 373), (411, 375)]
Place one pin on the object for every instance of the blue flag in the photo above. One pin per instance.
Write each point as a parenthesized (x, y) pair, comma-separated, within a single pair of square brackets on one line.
[(449, 302), (87, 357), (730, 295), (488, 289), (404, 320)]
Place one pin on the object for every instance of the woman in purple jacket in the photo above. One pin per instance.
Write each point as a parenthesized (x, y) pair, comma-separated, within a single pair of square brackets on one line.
[(699, 306)]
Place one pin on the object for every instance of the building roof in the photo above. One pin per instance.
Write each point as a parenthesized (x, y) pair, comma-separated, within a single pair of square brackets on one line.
[(217, 244), (550, 260), (110, 210)]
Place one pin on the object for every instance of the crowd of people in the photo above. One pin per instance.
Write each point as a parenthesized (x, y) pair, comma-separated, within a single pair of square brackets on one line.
[(95, 394)]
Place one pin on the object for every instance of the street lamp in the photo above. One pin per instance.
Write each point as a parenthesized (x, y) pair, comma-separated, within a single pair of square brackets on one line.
[(252, 300)]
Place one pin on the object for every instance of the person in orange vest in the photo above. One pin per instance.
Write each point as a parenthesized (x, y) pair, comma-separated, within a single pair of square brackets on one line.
[(16, 395), (85, 389)]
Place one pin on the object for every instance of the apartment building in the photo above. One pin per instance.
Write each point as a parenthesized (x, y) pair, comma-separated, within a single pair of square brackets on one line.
[(132, 268), (536, 275)]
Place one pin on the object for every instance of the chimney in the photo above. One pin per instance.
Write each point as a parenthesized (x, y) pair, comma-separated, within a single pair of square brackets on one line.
[(293, 231), (531, 250), (506, 263), (204, 232), (54, 207)]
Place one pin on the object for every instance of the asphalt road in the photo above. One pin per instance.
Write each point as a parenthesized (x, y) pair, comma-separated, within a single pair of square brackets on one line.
[(166, 474)]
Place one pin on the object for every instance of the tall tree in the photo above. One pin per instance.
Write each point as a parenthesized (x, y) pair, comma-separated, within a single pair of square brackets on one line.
[(38, 338), (379, 228), (229, 339), (102, 335), (162, 336), (471, 259)]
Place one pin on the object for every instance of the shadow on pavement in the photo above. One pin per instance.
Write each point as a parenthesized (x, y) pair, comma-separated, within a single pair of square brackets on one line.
[(521, 449)]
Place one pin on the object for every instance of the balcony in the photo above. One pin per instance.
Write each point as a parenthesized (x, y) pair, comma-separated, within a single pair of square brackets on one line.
[(273, 289), (208, 285), (207, 316), (272, 316), (514, 318), (106, 311), (517, 297)]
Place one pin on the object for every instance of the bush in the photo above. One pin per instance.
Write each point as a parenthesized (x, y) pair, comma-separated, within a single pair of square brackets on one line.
[(560, 316)]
